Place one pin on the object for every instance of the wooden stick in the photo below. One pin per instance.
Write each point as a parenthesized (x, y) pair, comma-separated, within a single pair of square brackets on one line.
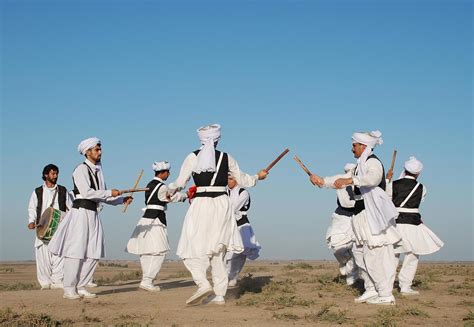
[(394, 157), (133, 190), (302, 165), (134, 187), (274, 162)]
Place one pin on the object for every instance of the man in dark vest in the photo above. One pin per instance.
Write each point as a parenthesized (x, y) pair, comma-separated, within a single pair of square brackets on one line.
[(49, 267), (209, 228), (417, 239), (373, 222), (149, 239)]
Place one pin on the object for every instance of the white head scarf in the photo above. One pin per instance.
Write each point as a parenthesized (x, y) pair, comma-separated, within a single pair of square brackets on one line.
[(87, 144), (206, 159), (161, 165), (349, 167), (381, 212), (412, 165)]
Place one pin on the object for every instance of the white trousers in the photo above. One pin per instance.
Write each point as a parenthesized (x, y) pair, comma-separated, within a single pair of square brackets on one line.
[(234, 264), (377, 267), (345, 258), (151, 265), (49, 267), (78, 273), (408, 270), (198, 268)]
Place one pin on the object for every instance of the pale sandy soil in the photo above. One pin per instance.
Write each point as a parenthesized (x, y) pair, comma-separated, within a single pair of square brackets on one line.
[(281, 293)]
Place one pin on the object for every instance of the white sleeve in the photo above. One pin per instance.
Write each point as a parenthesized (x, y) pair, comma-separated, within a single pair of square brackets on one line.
[(389, 188), (82, 181), (117, 200), (32, 208), (329, 181), (423, 196), (184, 174), (242, 178), (374, 174), (177, 197), (344, 198)]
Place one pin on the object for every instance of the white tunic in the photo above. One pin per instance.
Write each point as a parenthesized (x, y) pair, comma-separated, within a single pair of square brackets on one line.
[(340, 231), (150, 236), (80, 234), (251, 245), (362, 231), (209, 226), (48, 194), (417, 239)]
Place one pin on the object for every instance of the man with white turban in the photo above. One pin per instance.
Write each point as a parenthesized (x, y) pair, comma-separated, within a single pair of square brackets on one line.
[(417, 239), (339, 236), (209, 228), (373, 222), (149, 240), (80, 237)]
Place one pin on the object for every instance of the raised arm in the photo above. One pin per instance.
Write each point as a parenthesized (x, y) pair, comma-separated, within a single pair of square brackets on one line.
[(184, 174), (82, 181), (243, 179)]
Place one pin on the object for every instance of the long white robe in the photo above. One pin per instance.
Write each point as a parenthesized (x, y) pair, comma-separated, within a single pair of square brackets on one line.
[(49, 267), (80, 235), (209, 227), (150, 236)]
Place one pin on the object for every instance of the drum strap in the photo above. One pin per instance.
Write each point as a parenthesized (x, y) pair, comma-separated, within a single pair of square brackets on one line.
[(54, 196)]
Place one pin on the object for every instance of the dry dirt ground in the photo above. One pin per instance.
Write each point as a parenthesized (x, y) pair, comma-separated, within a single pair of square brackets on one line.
[(307, 293)]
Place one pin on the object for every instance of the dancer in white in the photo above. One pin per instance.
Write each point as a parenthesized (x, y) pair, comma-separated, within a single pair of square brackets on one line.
[(209, 228), (339, 236), (417, 239), (235, 262), (149, 240), (373, 221), (49, 267), (80, 237)]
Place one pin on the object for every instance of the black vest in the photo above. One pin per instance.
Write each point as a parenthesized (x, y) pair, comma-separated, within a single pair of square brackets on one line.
[(155, 213), (85, 203), (244, 209), (62, 194), (345, 211), (401, 189), (205, 178), (359, 205)]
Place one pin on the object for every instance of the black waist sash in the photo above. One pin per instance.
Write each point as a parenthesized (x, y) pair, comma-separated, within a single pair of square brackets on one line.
[(209, 194), (243, 220), (86, 204)]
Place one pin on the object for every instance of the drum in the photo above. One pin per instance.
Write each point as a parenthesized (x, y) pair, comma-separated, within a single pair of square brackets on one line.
[(48, 223)]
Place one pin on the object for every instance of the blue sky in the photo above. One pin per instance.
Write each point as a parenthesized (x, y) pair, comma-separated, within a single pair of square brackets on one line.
[(143, 75)]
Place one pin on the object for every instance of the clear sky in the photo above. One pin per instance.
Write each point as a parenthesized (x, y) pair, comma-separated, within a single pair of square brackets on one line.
[(144, 75)]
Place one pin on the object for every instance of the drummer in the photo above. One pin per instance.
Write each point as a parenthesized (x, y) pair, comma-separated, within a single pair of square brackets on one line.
[(49, 267)]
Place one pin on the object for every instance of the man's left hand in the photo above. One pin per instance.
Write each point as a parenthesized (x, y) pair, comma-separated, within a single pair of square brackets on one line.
[(342, 182), (127, 200)]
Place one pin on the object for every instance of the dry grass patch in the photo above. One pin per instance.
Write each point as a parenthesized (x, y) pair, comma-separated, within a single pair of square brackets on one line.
[(121, 276), (11, 318), (18, 287), (287, 316), (113, 265), (325, 314)]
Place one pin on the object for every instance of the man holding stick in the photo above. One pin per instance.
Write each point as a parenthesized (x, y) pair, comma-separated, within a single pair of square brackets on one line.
[(80, 237), (339, 236), (209, 228), (373, 221)]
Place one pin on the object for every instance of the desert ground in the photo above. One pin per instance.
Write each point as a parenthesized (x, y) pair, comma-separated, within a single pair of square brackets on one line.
[(270, 293)]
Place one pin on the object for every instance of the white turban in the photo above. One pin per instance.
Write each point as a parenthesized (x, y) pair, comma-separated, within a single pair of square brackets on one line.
[(370, 139), (161, 165), (349, 166), (87, 144), (412, 165), (206, 159)]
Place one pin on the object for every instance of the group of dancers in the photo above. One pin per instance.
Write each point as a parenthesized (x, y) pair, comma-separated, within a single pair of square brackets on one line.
[(374, 222)]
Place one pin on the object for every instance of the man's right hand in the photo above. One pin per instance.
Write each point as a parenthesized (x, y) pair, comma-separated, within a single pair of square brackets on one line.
[(390, 174), (316, 180), (116, 192), (31, 226), (262, 174)]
